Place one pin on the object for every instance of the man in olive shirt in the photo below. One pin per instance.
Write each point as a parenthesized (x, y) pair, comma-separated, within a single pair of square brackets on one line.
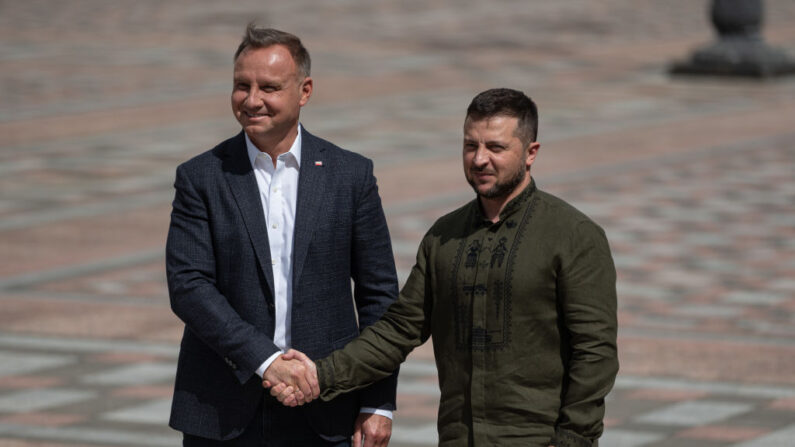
[(517, 288)]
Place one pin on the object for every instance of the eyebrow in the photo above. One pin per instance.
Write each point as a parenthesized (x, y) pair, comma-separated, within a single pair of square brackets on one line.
[(487, 142), (243, 79)]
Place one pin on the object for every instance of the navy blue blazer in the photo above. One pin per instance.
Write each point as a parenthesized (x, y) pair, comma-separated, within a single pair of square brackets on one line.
[(220, 282)]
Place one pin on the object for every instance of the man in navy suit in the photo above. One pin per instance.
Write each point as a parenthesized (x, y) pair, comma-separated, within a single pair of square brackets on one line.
[(267, 231)]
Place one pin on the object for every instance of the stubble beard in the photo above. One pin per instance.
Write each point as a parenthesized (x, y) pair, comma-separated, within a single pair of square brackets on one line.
[(500, 189)]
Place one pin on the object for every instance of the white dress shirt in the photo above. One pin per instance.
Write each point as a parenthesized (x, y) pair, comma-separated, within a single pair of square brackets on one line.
[(278, 191)]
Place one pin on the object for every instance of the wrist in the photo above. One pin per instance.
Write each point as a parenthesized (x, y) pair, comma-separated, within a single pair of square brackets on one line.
[(267, 363), (377, 411)]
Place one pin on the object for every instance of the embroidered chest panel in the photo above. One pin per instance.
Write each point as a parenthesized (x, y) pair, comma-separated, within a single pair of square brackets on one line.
[(482, 274)]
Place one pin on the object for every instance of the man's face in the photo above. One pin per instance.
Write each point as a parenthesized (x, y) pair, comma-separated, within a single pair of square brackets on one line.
[(495, 160), (268, 92)]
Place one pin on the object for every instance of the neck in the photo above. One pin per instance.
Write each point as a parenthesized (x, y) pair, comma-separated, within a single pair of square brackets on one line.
[(277, 144), (492, 207)]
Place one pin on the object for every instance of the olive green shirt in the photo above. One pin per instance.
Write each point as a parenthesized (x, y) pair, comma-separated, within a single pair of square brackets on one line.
[(523, 318)]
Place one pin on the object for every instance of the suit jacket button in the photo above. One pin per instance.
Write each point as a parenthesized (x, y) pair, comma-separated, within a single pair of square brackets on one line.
[(271, 307)]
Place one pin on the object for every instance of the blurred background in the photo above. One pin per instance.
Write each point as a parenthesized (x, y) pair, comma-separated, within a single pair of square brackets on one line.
[(692, 178)]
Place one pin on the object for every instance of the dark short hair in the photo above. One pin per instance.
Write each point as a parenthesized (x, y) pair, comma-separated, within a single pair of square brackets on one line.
[(265, 37), (507, 102)]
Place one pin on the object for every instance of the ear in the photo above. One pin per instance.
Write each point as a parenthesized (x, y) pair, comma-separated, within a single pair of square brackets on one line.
[(306, 91), (532, 151)]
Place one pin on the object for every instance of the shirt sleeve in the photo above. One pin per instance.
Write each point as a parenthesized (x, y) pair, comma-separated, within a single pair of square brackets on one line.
[(587, 294), (384, 345)]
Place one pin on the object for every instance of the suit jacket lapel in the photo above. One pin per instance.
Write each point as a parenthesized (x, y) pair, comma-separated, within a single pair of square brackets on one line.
[(240, 177), (311, 187)]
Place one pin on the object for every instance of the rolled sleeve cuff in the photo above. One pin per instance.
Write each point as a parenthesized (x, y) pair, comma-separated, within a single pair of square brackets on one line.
[(568, 438)]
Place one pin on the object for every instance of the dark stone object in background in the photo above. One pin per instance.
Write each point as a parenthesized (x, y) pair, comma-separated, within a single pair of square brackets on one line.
[(740, 49)]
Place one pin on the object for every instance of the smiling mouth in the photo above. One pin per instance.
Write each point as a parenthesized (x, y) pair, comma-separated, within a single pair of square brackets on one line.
[(255, 115)]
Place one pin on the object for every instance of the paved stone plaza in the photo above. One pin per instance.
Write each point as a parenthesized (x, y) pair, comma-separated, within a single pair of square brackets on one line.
[(693, 180)]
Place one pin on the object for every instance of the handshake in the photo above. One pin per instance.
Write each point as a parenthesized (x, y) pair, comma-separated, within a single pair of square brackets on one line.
[(292, 379)]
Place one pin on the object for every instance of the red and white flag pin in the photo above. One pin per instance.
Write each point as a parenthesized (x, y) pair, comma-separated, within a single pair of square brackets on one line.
[(318, 163)]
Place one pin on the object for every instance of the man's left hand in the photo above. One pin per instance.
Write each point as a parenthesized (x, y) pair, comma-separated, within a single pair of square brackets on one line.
[(375, 430)]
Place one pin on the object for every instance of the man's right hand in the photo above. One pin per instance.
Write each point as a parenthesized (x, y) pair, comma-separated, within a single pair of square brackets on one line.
[(292, 378)]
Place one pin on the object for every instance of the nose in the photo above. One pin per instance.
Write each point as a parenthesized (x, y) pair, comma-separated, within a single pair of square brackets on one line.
[(253, 100), (481, 157)]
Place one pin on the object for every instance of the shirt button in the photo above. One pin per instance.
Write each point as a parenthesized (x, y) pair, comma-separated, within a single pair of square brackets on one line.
[(273, 261), (275, 189), (275, 226)]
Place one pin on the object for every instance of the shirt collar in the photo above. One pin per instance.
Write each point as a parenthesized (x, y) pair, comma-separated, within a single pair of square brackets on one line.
[(511, 207), (294, 152)]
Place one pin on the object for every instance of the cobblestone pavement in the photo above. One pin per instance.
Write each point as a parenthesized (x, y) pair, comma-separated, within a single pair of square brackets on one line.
[(691, 178)]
